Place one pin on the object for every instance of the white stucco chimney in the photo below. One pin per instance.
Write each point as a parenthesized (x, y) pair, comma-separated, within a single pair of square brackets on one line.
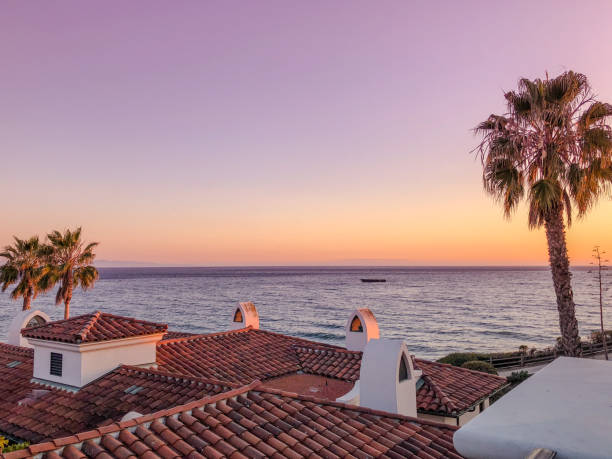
[(244, 316), (25, 319), (387, 379), (361, 327)]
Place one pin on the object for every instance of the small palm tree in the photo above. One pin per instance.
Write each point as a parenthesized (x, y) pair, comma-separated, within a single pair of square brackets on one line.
[(554, 146), (24, 267), (69, 263)]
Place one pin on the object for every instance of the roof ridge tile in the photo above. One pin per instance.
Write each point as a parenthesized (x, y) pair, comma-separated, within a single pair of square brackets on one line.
[(87, 326), (203, 336), (176, 376)]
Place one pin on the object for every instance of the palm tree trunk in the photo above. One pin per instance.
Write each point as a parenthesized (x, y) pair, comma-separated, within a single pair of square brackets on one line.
[(67, 308), (68, 298), (559, 264), (27, 301)]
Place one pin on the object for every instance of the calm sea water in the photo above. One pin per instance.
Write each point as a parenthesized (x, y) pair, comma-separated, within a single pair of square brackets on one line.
[(436, 310)]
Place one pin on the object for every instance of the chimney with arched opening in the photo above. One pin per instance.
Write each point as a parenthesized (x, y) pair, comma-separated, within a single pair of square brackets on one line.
[(245, 315), (387, 379), (22, 320), (361, 327)]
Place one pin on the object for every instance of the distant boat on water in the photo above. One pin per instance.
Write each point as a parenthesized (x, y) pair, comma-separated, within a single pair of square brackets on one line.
[(373, 280)]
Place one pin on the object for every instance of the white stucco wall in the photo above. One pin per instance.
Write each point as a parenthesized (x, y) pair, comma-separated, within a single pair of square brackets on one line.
[(565, 407), (351, 397), (469, 415), (82, 363), (441, 419), (71, 362)]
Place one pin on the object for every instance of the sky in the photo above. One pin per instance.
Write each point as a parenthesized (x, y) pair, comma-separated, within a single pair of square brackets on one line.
[(279, 132)]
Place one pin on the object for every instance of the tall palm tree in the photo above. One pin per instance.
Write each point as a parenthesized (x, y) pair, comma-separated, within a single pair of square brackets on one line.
[(554, 147), (69, 263), (24, 267)]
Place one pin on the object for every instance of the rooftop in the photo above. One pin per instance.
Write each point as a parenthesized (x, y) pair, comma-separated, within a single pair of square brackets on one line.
[(241, 356), (97, 326), (253, 422), (192, 368), (448, 389), (39, 413)]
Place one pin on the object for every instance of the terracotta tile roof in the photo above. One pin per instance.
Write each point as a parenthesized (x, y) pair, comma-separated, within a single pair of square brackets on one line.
[(97, 326), (177, 334), (15, 375), (312, 385), (254, 423), (241, 356), (336, 363), (244, 355), (448, 389), (107, 399)]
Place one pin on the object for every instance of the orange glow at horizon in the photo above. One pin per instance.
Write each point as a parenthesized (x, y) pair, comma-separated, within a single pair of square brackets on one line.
[(467, 230)]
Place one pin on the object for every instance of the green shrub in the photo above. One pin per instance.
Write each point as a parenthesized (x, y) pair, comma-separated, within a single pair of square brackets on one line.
[(15, 447), (459, 358), (479, 365), (517, 377), (596, 336)]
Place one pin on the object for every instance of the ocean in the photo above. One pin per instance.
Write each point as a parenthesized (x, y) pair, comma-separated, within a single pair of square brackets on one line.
[(436, 310)]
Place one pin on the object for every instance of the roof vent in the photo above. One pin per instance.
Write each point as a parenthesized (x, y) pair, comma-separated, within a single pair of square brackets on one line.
[(130, 415), (245, 315), (361, 327), (34, 395), (25, 319), (133, 390)]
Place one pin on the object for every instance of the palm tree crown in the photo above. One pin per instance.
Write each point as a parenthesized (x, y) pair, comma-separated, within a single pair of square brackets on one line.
[(24, 267), (70, 264), (553, 143), (554, 147)]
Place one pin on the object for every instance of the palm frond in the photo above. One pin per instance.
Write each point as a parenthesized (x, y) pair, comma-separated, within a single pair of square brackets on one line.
[(554, 137)]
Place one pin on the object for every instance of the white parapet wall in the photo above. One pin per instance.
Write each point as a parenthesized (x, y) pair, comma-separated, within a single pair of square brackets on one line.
[(245, 315), (82, 363), (22, 320), (387, 379), (566, 407)]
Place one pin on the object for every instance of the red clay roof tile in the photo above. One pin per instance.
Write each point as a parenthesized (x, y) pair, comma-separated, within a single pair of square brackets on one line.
[(447, 389), (104, 400), (354, 430), (97, 326)]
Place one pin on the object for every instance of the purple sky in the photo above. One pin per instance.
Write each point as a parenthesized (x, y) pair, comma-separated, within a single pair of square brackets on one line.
[(277, 132)]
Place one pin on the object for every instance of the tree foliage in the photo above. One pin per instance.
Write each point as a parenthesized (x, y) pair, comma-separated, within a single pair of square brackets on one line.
[(69, 262), (479, 365), (552, 147), (23, 267)]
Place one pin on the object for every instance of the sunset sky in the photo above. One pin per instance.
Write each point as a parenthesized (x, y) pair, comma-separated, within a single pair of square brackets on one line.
[(278, 132)]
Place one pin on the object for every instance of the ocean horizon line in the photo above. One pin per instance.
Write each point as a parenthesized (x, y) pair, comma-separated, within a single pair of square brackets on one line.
[(323, 266)]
